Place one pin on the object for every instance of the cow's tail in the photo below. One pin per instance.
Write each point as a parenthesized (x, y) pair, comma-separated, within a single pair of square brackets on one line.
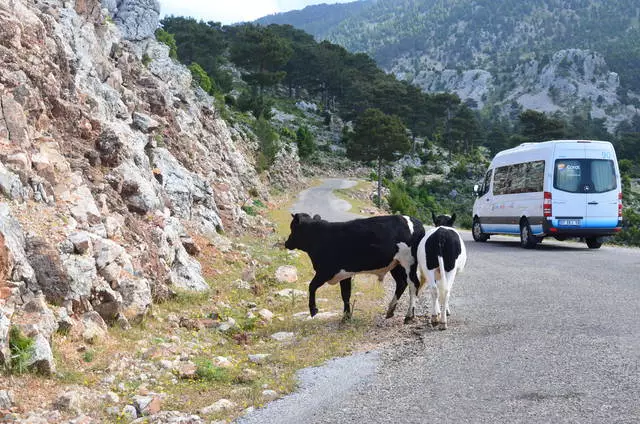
[(443, 272), (441, 250)]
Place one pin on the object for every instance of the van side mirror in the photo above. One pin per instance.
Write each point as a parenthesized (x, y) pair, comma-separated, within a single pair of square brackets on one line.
[(476, 189)]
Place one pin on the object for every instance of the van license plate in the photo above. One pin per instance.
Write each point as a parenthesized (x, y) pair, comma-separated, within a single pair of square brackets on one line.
[(574, 222)]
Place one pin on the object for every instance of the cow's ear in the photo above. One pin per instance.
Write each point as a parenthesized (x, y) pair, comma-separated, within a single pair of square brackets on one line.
[(452, 220), (317, 217), (433, 217)]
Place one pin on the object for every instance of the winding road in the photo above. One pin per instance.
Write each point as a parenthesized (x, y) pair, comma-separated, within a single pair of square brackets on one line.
[(550, 335)]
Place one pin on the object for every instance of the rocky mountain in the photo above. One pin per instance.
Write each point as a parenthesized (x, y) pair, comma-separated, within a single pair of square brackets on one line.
[(572, 57), (110, 164)]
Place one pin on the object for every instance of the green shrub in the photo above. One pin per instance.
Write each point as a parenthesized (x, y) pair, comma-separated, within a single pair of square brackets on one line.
[(168, 39), (21, 349), (201, 77), (207, 371), (269, 143), (306, 144)]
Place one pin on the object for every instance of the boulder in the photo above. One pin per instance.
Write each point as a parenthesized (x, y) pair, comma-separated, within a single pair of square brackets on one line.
[(50, 272), (94, 327), (143, 122), (5, 325), (137, 19), (42, 358), (219, 406), (18, 266), (287, 274)]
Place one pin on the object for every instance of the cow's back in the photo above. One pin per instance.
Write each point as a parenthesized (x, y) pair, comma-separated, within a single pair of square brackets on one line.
[(365, 244)]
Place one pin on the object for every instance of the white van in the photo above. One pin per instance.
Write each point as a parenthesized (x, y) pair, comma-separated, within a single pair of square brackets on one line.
[(560, 188)]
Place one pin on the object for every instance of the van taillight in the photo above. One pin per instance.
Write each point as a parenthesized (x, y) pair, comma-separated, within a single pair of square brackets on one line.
[(620, 205), (546, 204)]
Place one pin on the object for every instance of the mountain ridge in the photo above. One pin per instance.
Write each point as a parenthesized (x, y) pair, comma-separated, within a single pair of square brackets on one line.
[(433, 43)]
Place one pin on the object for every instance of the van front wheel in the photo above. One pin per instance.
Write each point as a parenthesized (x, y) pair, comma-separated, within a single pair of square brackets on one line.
[(476, 231), (527, 239), (593, 242)]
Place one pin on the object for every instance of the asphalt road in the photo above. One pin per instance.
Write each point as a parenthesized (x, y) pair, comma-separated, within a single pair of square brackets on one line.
[(550, 335)]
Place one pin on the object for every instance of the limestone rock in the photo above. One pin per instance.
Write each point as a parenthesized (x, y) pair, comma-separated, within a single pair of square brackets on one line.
[(137, 19), (291, 293), (19, 268), (5, 325), (259, 358), (283, 336), (94, 327), (6, 399), (147, 405), (287, 274), (42, 357), (219, 406)]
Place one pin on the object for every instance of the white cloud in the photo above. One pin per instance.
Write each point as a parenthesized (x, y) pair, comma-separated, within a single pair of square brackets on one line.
[(232, 11)]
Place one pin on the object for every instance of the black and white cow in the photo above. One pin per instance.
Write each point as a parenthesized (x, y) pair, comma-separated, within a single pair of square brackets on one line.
[(340, 250), (441, 255)]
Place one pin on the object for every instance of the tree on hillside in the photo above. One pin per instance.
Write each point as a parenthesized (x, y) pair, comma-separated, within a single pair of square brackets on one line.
[(200, 42), (537, 126), (263, 53), (378, 137)]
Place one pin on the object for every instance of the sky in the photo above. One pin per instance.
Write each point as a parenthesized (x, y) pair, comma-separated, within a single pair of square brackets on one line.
[(233, 11)]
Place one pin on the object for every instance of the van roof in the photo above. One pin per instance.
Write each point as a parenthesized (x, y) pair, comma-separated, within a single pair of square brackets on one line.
[(543, 144)]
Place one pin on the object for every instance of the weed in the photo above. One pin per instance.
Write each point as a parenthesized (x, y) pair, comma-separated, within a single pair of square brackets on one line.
[(88, 355), (209, 372), (21, 348)]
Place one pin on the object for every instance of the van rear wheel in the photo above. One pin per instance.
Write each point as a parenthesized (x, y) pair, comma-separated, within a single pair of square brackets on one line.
[(476, 231), (594, 242), (527, 239)]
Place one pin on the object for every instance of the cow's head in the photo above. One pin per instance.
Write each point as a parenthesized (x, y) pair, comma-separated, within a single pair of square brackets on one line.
[(443, 220), (298, 239)]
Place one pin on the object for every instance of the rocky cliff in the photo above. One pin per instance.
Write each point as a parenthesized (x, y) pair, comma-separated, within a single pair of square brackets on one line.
[(109, 163), (571, 81)]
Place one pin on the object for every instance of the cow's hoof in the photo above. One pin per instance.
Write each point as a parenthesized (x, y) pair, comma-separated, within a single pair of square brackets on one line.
[(313, 312), (448, 313), (389, 314), (435, 320), (443, 326), (409, 320), (346, 317)]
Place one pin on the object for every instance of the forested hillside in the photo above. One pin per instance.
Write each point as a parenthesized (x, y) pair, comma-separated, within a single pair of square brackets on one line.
[(500, 53)]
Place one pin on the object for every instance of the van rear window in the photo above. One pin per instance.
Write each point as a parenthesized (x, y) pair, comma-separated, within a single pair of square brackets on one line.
[(584, 175)]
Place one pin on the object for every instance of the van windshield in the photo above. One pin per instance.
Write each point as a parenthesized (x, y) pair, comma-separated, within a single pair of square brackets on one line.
[(584, 175)]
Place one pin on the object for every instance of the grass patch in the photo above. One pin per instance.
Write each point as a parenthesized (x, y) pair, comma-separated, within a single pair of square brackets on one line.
[(21, 349)]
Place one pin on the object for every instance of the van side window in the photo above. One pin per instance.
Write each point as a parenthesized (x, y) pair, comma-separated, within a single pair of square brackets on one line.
[(527, 177), (487, 183)]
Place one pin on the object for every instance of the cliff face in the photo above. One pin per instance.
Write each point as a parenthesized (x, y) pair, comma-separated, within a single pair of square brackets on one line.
[(109, 161)]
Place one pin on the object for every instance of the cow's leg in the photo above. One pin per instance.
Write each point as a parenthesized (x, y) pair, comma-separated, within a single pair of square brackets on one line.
[(315, 283), (345, 291), (400, 278), (414, 285), (446, 283), (433, 289)]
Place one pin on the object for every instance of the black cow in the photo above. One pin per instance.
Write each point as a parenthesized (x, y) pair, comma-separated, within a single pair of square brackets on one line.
[(441, 254), (340, 250)]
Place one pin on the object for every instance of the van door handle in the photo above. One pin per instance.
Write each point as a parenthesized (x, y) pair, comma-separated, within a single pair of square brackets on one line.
[(592, 203)]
